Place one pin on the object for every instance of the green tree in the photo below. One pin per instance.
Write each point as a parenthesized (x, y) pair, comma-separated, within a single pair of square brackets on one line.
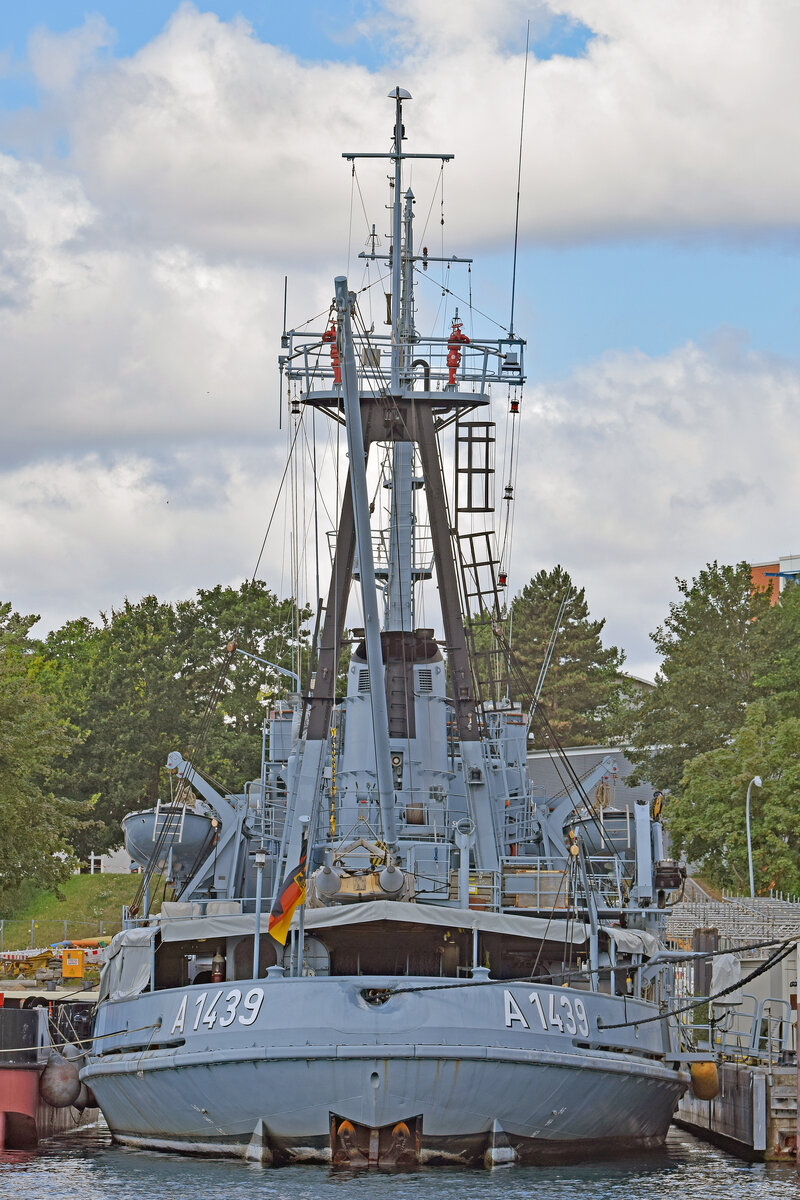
[(35, 825), (155, 677), (706, 818), (716, 642), (257, 622), (583, 682), (779, 681)]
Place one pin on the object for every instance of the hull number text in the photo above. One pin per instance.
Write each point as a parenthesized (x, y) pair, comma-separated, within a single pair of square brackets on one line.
[(223, 1008), (553, 1012)]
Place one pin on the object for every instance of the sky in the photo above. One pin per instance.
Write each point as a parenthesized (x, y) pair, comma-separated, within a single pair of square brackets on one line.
[(163, 166)]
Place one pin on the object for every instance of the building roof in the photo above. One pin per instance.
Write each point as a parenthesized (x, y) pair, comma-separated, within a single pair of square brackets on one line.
[(546, 772)]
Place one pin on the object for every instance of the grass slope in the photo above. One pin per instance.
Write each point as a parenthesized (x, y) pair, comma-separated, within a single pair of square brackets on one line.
[(92, 906)]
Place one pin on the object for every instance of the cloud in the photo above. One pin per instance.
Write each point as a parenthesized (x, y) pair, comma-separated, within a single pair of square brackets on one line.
[(676, 118), (40, 210), (151, 205), (81, 533), (648, 468), (122, 345), (58, 59)]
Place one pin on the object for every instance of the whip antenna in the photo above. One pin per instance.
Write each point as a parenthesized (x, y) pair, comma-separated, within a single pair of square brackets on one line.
[(519, 181)]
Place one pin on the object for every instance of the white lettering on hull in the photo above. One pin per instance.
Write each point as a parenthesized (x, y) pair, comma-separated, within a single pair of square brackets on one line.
[(208, 1015), (561, 1014)]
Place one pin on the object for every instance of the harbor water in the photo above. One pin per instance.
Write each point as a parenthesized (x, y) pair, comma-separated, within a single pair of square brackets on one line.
[(88, 1166)]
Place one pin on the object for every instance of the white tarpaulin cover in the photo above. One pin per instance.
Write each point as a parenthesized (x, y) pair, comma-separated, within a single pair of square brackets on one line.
[(632, 941), (726, 970), (222, 925), (127, 974)]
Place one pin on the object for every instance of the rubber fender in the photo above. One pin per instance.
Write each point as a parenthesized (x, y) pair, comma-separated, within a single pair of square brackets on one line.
[(60, 1083), (82, 1101), (705, 1080)]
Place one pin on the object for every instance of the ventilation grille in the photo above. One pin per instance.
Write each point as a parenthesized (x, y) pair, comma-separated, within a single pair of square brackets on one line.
[(425, 679), (363, 680)]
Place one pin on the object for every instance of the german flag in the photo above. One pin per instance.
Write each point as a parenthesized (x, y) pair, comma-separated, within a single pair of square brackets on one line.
[(292, 893)]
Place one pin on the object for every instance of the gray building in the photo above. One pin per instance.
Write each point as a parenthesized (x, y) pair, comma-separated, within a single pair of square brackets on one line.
[(546, 771)]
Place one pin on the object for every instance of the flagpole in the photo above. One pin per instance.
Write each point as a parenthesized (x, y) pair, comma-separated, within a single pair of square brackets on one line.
[(261, 862), (304, 822)]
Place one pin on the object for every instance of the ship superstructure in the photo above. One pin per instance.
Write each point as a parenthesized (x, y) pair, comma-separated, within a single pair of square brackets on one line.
[(475, 973)]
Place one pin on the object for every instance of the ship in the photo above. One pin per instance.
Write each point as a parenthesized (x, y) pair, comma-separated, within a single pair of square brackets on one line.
[(390, 950), (43, 1042)]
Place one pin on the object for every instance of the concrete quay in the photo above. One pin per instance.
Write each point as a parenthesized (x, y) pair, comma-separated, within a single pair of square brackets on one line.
[(754, 1116)]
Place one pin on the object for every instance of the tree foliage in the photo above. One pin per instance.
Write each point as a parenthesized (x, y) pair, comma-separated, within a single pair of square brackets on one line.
[(715, 643), (779, 674), (726, 707), (583, 681), (707, 816), (35, 824), (153, 677)]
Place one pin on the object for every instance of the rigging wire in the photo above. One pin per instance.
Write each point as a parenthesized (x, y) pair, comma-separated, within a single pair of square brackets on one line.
[(171, 825), (519, 181), (784, 948), (436, 187), (350, 221), (446, 291), (551, 736)]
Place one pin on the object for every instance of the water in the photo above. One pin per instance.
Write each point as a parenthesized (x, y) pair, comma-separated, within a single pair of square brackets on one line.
[(88, 1167)]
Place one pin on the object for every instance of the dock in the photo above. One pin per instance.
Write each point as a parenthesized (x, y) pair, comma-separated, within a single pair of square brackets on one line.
[(754, 1116), (753, 1037)]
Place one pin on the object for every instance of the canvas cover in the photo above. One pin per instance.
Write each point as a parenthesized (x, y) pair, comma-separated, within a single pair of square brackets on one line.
[(632, 941), (726, 971), (127, 969), (540, 928)]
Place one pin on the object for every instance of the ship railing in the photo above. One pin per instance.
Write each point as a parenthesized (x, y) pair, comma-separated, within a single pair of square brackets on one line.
[(521, 821), (130, 919), (488, 361), (422, 820), (422, 560), (751, 1028), (269, 823), (546, 882)]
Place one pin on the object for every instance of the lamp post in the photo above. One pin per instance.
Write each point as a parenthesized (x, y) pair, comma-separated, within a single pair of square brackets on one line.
[(757, 781)]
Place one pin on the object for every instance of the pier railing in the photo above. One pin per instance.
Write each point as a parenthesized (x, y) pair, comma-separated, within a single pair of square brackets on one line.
[(753, 1030), (28, 934)]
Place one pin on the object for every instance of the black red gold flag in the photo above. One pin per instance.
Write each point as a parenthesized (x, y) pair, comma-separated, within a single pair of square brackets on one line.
[(291, 894)]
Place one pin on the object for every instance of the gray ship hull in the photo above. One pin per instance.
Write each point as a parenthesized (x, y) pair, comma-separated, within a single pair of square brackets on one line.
[(332, 1069)]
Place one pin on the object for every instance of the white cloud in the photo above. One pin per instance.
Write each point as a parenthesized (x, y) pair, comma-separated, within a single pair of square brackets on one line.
[(142, 280), (57, 60), (80, 534), (648, 468), (677, 117)]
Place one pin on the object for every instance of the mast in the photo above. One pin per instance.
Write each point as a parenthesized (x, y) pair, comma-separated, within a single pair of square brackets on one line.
[(397, 233), (366, 566), (400, 587), (406, 414)]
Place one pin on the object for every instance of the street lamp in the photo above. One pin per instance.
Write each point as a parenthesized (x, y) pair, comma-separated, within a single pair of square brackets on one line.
[(757, 781)]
